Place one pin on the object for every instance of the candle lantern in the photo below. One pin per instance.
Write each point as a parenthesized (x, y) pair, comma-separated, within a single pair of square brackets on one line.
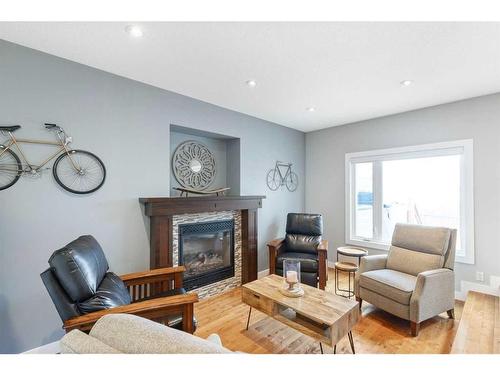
[(291, 279)]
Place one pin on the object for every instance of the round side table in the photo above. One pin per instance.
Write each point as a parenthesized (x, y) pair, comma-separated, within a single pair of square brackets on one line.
[(351, 251), (350, 268)]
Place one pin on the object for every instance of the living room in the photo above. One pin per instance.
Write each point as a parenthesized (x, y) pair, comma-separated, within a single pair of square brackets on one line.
[(249, 187)]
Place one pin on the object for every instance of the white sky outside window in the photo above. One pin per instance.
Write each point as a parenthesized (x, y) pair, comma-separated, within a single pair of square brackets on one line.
[(421, 191)]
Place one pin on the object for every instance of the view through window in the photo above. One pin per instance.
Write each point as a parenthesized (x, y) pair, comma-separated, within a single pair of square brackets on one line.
[(427, 187)]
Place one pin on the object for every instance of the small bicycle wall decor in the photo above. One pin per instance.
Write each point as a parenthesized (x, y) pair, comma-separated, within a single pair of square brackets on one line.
[(281, 175), (76, 171)]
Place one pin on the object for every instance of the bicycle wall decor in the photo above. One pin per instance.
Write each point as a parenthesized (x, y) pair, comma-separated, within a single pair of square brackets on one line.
[(76, 171), (282, 175)]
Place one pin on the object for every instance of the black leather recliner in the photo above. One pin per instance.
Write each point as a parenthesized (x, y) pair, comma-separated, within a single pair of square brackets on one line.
[(303, 242), (79, 283)]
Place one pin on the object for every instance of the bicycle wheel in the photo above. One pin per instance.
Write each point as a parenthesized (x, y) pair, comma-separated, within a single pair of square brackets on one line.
[(273, 180), (292, 181), (79, 172), (10, 168)]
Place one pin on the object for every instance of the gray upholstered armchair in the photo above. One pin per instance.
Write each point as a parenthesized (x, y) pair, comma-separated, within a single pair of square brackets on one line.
[(415, 280)]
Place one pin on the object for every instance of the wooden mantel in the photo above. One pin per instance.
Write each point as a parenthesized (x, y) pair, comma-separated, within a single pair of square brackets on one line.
[(161, 210)]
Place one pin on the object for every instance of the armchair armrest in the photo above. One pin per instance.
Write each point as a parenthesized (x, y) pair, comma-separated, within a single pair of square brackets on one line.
[(151, 276), (150, 309), (372, 262), (276, 243), (369, 263), (434, 293), (323, 246), (275, 247)]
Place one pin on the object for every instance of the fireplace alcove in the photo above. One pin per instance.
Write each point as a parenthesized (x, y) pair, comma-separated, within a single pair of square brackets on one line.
[(162, 210)]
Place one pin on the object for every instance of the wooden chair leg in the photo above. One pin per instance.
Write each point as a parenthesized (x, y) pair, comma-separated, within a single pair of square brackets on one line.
[(187, 319), (322, 270), (451, 313), (415, 327), (322, 281)]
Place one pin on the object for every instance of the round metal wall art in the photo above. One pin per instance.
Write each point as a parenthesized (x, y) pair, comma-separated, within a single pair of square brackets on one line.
[(193, 165)]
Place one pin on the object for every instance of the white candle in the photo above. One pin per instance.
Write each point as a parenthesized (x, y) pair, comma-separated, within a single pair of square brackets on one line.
[(291, 276)]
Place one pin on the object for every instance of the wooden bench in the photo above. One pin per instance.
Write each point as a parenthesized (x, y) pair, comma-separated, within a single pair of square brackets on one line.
[(479, 328)]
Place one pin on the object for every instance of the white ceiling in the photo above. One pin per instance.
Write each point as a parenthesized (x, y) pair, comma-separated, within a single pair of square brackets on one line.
[(347, 71)]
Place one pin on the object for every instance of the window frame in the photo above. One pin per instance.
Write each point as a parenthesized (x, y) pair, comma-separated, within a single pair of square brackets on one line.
[(460, 147)]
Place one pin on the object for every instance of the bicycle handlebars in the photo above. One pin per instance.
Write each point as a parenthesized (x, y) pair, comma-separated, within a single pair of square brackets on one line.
[(54, 127)]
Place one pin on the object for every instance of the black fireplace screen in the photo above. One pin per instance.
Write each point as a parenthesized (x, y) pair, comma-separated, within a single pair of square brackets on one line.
[(207, 252)]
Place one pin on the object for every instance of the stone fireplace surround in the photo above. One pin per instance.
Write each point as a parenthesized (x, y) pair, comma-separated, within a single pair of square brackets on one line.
[(222, 285), (167, 213)]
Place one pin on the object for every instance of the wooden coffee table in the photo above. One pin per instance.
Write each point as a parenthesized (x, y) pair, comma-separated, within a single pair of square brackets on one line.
[(321, 315)]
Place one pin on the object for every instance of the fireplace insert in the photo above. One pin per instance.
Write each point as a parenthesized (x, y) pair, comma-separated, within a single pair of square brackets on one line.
[(207, 251)]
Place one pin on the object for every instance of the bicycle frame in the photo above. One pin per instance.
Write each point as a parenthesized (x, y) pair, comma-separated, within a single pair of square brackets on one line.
[(288, 171), (62, 147)]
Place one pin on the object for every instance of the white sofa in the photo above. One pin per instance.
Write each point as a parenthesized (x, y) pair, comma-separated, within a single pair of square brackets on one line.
[(130, 334)]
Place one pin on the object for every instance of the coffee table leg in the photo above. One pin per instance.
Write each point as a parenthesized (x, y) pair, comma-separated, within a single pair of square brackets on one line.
[(321, 347), (248, 320), (335, 349), (351, 341)]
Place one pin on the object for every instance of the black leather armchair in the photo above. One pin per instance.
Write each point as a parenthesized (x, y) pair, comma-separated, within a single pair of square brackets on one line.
[(303, 242), (83, 290)]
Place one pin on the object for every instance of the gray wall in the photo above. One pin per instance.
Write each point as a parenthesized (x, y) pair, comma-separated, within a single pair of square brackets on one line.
[(127, 124), (477, 118)]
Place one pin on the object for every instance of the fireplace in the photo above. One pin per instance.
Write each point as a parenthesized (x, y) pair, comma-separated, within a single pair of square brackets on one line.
[(206, 249), (167, 214)]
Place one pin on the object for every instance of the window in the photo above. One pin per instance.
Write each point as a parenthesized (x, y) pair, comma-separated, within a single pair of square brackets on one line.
[(427, 184)]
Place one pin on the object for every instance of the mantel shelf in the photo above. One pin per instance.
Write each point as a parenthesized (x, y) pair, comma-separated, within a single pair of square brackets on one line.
[(201, 197), (164, 206)]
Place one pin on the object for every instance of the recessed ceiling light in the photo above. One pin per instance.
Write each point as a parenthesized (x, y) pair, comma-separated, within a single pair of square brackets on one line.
[(405, 83), (134, 31), (310, 109), (251, 83)]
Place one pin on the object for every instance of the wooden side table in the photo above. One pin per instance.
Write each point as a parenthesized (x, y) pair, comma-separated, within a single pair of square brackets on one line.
[(350, 268)]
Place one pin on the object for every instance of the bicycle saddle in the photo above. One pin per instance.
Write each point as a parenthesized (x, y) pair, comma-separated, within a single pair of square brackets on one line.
[(11, 128)]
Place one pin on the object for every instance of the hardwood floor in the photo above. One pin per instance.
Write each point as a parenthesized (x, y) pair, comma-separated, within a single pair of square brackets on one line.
[(376, 332), (479, 329)]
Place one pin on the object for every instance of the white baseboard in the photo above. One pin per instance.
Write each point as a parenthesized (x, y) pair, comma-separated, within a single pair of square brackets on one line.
[(495, 282), (465, 286), (51, 348), (263, 273)]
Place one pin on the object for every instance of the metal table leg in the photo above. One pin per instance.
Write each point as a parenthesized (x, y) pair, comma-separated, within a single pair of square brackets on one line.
[(350, 293), (249, 313), (351, 341)]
